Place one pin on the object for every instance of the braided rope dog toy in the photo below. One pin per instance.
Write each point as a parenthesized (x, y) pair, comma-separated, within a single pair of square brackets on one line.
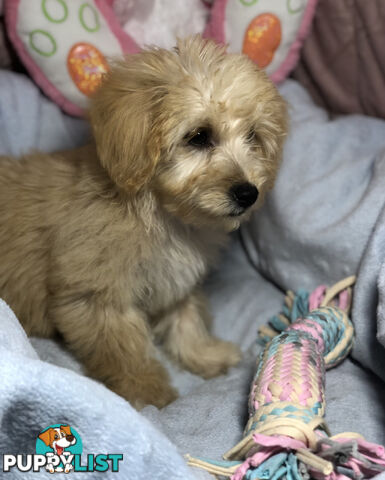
[(286, 436)]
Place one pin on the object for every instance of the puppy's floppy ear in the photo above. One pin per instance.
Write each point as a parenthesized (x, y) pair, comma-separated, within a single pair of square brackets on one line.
[(46, 436), (272, 129), (66, 429), (122, 116)]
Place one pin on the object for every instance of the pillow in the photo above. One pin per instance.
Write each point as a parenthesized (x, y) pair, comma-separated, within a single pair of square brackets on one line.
[(64, 45), (342, 63), (270, 33)]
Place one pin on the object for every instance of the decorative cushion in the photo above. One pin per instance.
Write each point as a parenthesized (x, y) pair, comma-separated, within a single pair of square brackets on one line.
[(270, 32), (64, 45)]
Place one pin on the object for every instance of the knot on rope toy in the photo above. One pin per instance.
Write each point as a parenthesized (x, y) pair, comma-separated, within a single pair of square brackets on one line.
[(286, 435)]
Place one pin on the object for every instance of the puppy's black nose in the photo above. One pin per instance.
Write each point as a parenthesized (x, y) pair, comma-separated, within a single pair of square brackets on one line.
[(245, 194)]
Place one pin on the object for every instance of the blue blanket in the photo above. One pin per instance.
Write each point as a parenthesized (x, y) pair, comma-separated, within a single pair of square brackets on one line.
[(323, 220)]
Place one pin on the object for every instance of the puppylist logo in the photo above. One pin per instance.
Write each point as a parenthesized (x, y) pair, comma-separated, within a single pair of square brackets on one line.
[(59, 449)]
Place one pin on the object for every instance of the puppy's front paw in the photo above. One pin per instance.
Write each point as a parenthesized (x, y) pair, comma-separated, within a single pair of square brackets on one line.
[(68, 468), (214, 358), (151, 386), (156, 394)]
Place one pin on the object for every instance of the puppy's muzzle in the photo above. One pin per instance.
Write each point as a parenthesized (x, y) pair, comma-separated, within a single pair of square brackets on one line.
[(244, 195)]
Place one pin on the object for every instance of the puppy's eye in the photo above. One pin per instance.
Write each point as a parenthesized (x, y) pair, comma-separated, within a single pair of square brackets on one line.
[(252, 136), (56, 436), (201, 138), (63, 434)]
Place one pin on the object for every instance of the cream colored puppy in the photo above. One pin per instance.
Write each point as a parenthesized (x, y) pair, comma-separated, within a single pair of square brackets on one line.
[(107, 245)]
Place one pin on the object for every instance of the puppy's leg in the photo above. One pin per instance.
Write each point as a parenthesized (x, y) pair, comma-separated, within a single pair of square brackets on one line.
[(187, 339), (115, 348)]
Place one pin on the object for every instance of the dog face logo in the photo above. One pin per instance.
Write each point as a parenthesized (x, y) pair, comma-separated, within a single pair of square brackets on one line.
[(58, 438), (59, 443)]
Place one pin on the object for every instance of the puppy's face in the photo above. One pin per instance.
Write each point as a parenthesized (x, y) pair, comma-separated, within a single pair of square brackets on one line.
[(58, 438), (201, 129)]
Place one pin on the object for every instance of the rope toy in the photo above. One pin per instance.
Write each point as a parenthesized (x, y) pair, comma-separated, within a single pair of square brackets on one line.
[(286, 436)]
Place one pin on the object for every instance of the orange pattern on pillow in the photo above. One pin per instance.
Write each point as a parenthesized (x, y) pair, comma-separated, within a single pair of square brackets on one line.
[(262, 38), (86, 66)]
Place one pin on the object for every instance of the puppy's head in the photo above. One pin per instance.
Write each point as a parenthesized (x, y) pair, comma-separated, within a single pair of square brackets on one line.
[(59, 437), (199, 128)]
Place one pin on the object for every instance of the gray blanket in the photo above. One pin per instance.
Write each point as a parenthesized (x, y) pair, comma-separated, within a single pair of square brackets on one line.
[(323, 221)]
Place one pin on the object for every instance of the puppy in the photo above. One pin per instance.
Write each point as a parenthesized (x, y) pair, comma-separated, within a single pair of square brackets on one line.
[(58, 439), (108, 244)]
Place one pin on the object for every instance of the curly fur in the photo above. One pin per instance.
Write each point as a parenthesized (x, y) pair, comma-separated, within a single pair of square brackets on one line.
[(107, 244)]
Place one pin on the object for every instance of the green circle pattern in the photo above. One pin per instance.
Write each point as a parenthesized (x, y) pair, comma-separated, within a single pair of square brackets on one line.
[(96, 17), (37, 49), (248, 3), (293, 10), (49, 17)]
